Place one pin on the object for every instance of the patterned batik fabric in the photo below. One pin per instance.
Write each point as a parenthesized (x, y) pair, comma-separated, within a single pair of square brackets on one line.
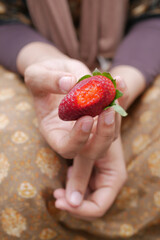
[(30, 170)]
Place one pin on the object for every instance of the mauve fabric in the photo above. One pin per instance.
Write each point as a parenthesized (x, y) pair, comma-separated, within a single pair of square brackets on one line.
[(98, 35), (141, 49), (13, 37)]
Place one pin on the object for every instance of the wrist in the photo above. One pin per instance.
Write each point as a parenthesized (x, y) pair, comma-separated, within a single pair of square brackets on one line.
[(37, 52)]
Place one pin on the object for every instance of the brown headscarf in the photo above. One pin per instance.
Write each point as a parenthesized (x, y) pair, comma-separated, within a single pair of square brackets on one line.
[(101, 26)]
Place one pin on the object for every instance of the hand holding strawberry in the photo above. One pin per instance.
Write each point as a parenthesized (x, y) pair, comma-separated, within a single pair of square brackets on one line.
[(86, 140), (90, 96), (107, 178)]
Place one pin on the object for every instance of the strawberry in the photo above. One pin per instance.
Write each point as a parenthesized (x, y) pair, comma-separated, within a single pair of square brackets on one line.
[(90, 96)]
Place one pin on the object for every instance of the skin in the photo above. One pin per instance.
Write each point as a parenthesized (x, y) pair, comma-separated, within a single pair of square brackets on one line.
[(98, 171)]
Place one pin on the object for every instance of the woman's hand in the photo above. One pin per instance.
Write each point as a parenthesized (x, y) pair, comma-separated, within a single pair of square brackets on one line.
[(85, 140), (108, 176), (48, 81)]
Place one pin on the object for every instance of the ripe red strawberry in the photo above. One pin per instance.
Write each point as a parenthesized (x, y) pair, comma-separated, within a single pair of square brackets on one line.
[(90, 96)]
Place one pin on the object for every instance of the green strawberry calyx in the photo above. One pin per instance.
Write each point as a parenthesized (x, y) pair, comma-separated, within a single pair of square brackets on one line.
[(119, 94)]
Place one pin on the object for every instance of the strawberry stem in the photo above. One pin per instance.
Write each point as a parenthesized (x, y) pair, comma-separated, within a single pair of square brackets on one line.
[(119, 94)]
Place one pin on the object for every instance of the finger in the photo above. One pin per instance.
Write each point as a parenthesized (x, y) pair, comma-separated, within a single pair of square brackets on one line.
[(96, 205), (108, 181), (83, 162), (42, 80), (121, 85), (104, 135), (59, 193), (118, 119), (90, 208), (69, 171), (86, 209), (78, 180), (71, 143)]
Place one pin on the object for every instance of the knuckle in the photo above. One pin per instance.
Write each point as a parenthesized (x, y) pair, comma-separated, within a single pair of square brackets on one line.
[(108, 134), (81, 140), (28, 75), (110, 137)]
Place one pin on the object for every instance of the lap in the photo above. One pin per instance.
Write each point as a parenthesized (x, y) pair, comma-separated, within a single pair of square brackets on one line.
[(30, 171)]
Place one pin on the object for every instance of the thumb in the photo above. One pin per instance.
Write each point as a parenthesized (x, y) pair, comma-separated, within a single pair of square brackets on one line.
[(42, 80), (78, 179)]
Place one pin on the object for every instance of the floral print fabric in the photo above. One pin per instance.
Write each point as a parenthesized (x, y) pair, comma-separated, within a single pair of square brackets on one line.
[(30, 171)]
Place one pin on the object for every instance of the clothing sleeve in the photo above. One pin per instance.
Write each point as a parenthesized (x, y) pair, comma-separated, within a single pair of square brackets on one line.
[(141, 49), (13, 37)]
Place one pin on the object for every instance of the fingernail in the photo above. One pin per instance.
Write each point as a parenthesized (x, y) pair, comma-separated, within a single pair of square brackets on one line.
[(76, 198), (109, 118), (66, 83), (86, 127)]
